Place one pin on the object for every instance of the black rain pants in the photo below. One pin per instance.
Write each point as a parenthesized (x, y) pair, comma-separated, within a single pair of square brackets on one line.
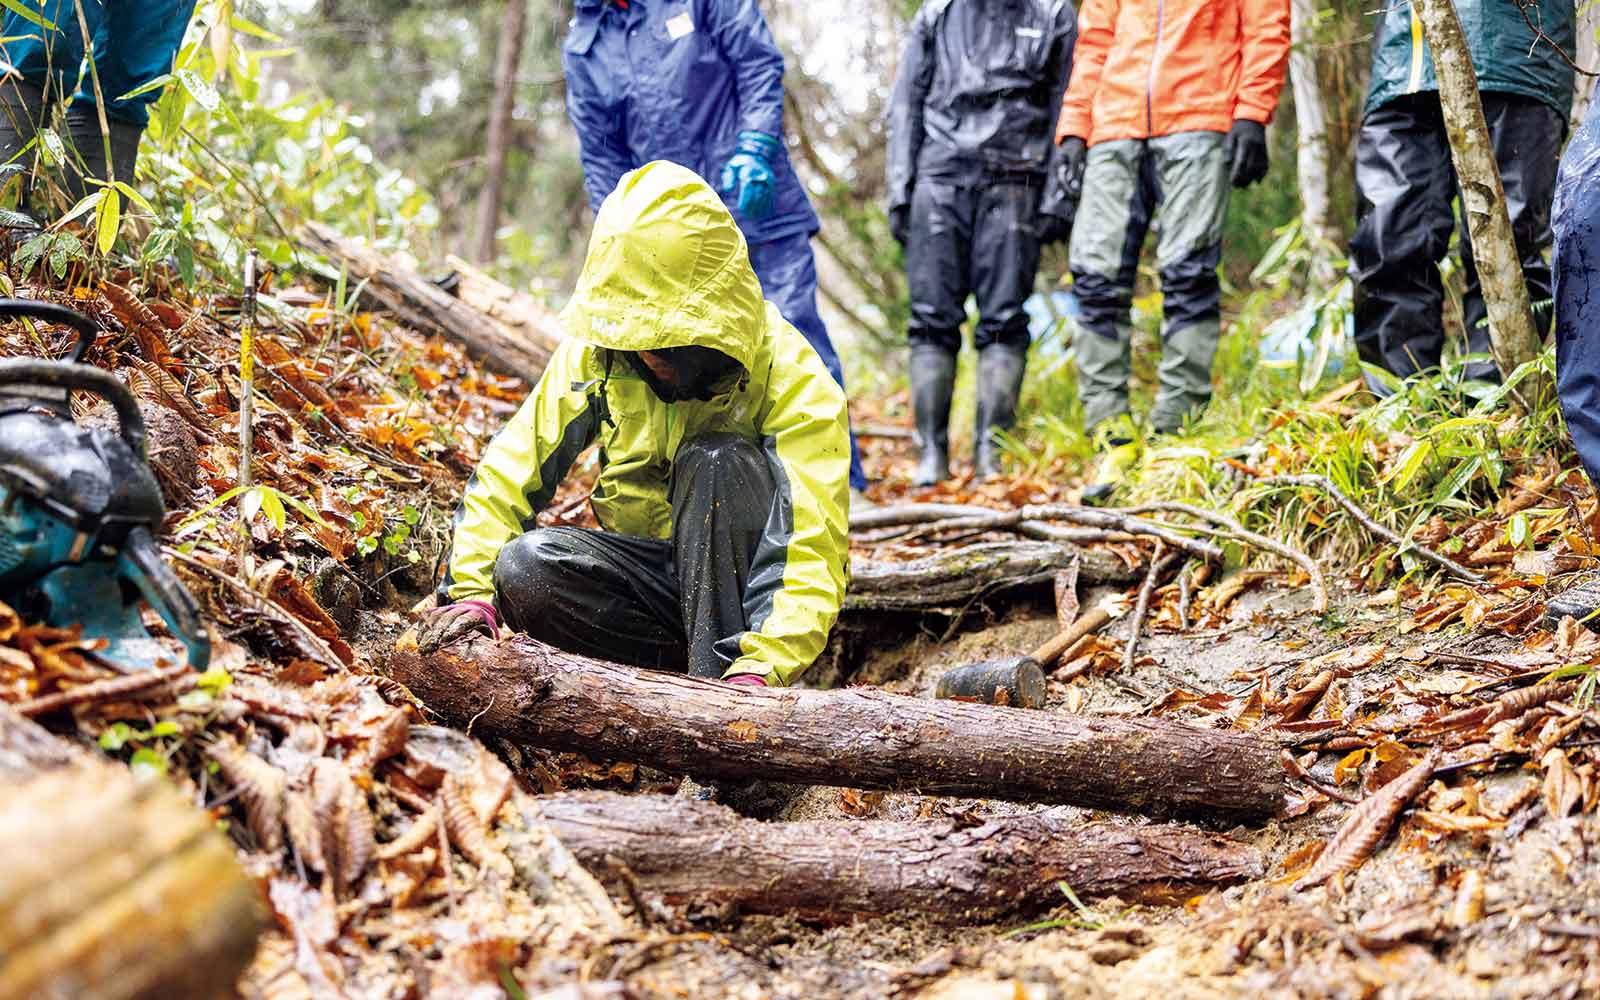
[(1405, 184), (644, 601), (978, 239)]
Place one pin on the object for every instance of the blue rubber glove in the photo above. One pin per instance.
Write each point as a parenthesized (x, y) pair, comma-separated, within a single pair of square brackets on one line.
[(749, 173)]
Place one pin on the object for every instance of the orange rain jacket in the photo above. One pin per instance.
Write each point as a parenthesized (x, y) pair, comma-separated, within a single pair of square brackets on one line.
[(1148, 68)]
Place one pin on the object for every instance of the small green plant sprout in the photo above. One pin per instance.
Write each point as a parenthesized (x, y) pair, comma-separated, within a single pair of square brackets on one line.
[(267, 500), (1083, 918)]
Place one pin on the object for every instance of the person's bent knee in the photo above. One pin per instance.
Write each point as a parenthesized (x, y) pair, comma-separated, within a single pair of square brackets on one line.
[(717, 452), (523, 574)]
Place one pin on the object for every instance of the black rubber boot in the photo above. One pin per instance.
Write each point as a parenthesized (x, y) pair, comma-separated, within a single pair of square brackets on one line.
[(83, 126), (1581, 601), (1000, 369), (933, 382)]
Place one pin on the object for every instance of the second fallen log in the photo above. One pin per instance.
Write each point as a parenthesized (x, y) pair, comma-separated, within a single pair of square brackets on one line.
[(527, 692), (692, 852)]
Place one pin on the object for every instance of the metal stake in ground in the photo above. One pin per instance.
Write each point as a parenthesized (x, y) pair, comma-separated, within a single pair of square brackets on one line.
[(247, 376)]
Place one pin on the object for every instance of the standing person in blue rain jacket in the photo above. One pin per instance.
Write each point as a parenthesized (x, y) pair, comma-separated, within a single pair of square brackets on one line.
[(1577, 324), (134, 44), (700, 83)]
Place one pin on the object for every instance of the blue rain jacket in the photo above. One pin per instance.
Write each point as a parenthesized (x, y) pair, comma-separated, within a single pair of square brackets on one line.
[(678, 80), (1577, 279), (134, 43)]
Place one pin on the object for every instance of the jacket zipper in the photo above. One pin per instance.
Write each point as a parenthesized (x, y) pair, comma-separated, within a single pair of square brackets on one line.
[(1150, 81)]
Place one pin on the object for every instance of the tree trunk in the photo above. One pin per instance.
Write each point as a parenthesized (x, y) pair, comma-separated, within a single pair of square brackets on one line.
[(527, 692), (508, 56), (112, 886), (431, 311), (952, 579), (689, 852), (1511, 331), (1314, 161)]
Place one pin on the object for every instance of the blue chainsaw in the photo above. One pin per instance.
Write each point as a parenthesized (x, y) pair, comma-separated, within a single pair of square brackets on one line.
[(80, 507)]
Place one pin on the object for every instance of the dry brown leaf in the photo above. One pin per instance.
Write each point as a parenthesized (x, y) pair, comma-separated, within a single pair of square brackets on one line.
[(260, 787), (1563, 789), (1368, 823), (743, 731), (1467, 908)]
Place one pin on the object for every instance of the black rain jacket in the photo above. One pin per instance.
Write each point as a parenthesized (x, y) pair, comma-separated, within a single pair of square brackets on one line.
[(978, 90)]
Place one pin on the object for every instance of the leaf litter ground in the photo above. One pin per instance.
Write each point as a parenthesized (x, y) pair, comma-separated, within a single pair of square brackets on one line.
[(391, 855)]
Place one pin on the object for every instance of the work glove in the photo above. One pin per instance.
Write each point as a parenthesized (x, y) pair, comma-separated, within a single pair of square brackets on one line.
[(748, 173), (900, 223), (1063, 186), (748, 680), (443, 626), (1247, 152)]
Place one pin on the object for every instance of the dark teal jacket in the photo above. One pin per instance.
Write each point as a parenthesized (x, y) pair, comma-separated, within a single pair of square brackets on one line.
[(1509, 57)]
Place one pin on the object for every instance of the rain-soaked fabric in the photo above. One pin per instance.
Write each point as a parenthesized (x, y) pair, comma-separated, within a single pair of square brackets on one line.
[(1577, 289), (1406, 187), (1507, 54), (667, 267), (1180, 181), (679, 80), (670, 605), (787, 270), (134, 44), (977, 91), (971, 239), (1148, 68)]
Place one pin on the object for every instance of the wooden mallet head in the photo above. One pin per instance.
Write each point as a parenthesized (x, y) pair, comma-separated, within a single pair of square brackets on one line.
[(1017, 681)]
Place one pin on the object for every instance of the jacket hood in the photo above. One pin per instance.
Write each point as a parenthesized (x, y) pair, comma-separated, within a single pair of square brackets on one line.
[(667, 267)]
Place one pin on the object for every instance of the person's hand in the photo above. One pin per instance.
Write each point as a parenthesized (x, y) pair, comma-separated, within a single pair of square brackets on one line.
[(443, 626), (1247, 152), (1063, 186), (747, 680), (748, 173), (900, 223)]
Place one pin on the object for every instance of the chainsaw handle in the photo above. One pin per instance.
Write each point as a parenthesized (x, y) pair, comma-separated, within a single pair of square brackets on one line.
[(87, 328), (69, 375), (140, 562)]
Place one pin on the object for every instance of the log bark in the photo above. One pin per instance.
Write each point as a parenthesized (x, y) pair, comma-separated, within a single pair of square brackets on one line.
[(431, 311), (530, 693), (507, 57), (115, 887), (1512, 333), (689, 852), (953, 578)]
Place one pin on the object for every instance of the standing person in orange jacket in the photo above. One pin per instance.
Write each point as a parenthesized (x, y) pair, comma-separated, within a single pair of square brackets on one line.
[(1168, 104)]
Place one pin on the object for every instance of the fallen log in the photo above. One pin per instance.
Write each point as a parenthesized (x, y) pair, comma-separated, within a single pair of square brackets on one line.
[(689, 852), (953, 578), (530, 693), (112, 886), (430, 310)]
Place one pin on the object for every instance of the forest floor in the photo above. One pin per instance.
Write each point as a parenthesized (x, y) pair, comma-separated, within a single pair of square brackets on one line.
[(366, 434)]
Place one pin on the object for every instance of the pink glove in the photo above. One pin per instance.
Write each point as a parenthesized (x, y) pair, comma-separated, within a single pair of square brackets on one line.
[(750, 680), (442, 626)]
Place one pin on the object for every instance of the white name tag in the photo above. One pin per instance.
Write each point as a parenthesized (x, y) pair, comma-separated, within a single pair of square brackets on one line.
[(679, 26), (1029, 33)]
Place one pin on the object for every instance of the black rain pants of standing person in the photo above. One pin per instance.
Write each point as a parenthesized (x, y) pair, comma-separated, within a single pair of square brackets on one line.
[(972, 238), (669, 605), (1405, 183)]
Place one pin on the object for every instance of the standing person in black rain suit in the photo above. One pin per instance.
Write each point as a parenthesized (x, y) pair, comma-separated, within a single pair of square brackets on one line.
[(971, 125)]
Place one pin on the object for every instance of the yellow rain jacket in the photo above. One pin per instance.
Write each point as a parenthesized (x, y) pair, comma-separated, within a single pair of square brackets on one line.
[(668, 267)]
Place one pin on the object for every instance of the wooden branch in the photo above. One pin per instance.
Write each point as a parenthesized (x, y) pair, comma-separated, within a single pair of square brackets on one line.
[(530, 693), (689, 852), (112, 886), (1160, 567), (1319, 586), (1033, 516), (955, 577), (433, 312), (912, 513), (1361, 517)]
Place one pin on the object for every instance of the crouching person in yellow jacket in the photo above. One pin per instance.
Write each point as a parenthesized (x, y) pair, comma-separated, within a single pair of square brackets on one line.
[(724, 463)]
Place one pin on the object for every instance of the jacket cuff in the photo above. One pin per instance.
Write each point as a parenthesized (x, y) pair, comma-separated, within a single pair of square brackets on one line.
[(1252, 112), (1072, 124)]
